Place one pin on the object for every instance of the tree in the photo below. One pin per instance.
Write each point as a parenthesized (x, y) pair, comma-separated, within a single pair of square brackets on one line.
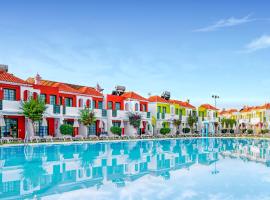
[(135, 120), (87, 117), (192, 119), (33, 109), (177, 123)]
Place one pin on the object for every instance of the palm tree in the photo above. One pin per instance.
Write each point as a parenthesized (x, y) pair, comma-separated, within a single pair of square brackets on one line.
[(177, 123), (87, 117), (34, 110)]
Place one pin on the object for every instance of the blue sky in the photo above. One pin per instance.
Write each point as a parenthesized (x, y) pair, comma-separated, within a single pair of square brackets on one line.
[(191, 48)]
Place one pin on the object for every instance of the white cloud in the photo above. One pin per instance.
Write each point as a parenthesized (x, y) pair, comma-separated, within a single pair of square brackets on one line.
[(229, 22), (262, 42)]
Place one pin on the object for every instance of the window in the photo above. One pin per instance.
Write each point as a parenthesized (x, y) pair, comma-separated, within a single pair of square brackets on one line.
[(109, 105), (117, 124), (60, 100), (39, 129), (11, 128), (164, 110), (93, 104), (117, 106), (136, 107), (52, 99), (158, 109), (42, 97), (143, 108), (100, 105), (127, 107), (68, 102), (9, 94), (177, 111)]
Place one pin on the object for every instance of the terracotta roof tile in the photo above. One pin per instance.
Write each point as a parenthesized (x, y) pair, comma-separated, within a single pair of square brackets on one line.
[(133, 95), (62, 86), (208, 106), (183, 104), (157, 99), (7, 77)]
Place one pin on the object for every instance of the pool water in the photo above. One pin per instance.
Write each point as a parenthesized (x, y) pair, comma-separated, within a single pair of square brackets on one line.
[(158, 169)]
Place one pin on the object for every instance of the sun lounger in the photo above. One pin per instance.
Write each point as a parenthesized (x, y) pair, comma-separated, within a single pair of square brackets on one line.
[(93, 137), (48, 138), (7, 139), (67, 137), (79, 137), (35, 138), (103, 136)]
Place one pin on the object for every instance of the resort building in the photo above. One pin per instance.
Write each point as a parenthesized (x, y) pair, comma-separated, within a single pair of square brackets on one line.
[(12, 92), (121, 106), (208, 119), (165, 111), (255, 118), (64, 102)]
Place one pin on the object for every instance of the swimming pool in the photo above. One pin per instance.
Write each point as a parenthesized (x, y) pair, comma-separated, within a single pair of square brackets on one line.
[(159, 169)]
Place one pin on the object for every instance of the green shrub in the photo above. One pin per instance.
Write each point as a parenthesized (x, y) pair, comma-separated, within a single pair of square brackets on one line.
[(224, 130), (264, 131), (250, 131), (165, 131), (186, 130), (66, 129), (231, 131), (244, 130), (116, 130)]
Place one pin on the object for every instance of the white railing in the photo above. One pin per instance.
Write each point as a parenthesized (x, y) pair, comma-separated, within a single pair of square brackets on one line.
[(11, 106)]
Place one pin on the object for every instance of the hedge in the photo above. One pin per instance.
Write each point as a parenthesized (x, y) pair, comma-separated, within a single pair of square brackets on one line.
[(116, 130), (66, 129), (165, 131), (186, 130)]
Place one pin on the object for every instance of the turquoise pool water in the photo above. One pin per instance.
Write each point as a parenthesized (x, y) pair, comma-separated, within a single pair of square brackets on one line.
[(164, 169)]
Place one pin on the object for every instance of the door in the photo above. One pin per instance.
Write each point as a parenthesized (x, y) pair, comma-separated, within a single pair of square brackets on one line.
[(11, 128), (92, 129)]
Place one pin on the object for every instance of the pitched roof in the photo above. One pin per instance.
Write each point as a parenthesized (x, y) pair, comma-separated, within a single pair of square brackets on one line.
[(183, 104), (157, 99), (7, 77), (229, 111), (208, 107), (86, 90), (133, 95), (62, 86)]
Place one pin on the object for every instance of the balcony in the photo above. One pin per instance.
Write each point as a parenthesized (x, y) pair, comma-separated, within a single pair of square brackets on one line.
[(10, 107)]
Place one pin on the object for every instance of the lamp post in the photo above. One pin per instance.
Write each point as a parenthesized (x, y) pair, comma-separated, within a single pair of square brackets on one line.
[(215, 97)]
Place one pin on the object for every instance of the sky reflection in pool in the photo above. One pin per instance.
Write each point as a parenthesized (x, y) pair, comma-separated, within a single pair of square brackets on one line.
[(165, 169)]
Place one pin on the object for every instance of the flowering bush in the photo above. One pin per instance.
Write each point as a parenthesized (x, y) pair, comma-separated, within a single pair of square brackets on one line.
[(135, 119)]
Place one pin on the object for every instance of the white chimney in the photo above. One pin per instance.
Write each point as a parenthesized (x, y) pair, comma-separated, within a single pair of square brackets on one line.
[(4, 68), (37, 79)]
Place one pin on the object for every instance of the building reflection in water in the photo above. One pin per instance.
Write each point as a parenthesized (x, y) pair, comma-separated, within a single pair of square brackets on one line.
[(26, 171)]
